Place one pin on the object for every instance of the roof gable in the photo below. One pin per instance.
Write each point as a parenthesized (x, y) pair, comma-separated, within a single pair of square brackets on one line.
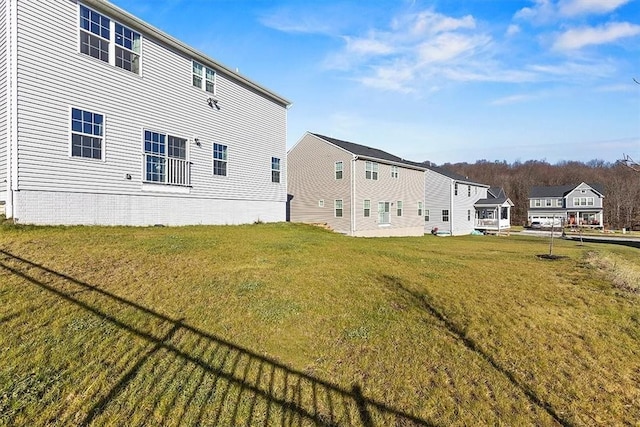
[(560, 190)]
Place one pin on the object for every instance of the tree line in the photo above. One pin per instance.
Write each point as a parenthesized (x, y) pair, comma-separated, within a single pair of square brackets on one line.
[(621, 184)]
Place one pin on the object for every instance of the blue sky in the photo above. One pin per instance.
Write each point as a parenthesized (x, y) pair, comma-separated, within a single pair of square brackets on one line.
[(441, 80)]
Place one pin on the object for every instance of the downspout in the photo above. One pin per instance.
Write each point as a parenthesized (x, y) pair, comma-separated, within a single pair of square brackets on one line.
[(353, 195), (11, 12), (451, 208)]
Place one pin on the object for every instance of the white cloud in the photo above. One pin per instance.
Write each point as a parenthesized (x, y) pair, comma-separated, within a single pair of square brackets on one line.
[(583, 7), (577, 38), (546, 11), (368, 46), (512, 30), (541, 11), (429, 22)]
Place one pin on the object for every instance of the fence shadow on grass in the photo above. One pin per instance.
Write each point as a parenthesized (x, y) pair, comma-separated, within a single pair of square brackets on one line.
[(424, 302), (189, 376)]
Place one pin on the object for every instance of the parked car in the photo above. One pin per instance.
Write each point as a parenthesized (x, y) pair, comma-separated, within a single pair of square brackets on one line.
[(536, 224)]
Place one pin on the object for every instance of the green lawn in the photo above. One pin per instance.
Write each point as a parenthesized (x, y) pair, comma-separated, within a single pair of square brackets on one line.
[(281, 324)]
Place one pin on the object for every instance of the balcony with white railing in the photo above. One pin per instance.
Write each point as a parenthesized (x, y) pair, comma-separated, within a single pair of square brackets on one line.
[(167, 170)]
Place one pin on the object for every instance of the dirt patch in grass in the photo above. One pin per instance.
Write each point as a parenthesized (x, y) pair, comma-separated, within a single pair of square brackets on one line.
[(551, 257)]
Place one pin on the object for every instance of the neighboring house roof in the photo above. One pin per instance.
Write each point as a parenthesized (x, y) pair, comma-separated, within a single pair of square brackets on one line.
[(126, 18), (560, 190), (454, 176), (496, 197), (369, 152)]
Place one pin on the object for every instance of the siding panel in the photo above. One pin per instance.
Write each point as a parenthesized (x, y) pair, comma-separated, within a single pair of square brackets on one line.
[(4, 97), (312, 178)]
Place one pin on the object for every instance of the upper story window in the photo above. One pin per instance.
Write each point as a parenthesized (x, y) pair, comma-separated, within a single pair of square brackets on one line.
[(165, 159), (275, 169), (583, 201), (559, 203), (547, 203), (394, 171), (468, 191), (455, 189), (98, 32), (371, 170), (87, 132), (220, 159), (338, 170), (204, 78), (419, 208), (536, 203), (127, 49)]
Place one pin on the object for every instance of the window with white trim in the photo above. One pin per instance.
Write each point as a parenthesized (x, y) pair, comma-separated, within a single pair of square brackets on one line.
[(455, 189), (559, 203), (536, 203), (204, 78), (337, 206), (547, 203), (468, 214), (371, 170), (87, 134), (338, 170), (321, 203), (366, 208), (275, 169), (426, 215), (165, 159), (468, 191), (445, 215), (220, 159), (399, 208), (98, 31), (394, 171), (419, 208)]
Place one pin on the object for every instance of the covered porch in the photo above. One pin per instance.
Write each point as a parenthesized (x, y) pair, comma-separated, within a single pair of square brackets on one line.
[(494, 218), (578, 218)]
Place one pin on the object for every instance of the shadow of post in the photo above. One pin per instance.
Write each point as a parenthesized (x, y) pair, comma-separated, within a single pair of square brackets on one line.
[(423, 301), (234, 385)]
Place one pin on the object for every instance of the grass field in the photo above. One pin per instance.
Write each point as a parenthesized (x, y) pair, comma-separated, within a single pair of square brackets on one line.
[(284, 324)]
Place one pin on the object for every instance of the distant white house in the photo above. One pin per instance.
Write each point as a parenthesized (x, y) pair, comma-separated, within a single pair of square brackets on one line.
[(457, 205), (106, 120)]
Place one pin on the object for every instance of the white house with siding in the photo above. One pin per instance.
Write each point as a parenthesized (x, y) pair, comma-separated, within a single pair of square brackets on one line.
[(106, 120), (456, 205), (354, 189)]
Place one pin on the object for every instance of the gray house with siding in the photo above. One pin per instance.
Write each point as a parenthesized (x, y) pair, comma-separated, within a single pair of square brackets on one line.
[(456, 205), (571, 205), (354, 189), (106, 120)]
